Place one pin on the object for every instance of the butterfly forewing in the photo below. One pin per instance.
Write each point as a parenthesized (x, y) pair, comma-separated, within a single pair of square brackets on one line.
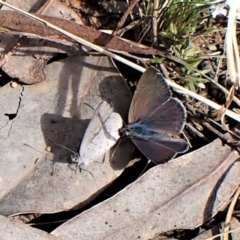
[(152, 91), (101, 134)]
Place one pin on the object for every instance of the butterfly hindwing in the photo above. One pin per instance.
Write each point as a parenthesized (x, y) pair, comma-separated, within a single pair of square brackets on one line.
[(161, 151)]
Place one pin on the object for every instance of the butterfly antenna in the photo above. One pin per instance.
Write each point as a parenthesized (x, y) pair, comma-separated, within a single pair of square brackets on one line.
[(63, 146), (25, 144)]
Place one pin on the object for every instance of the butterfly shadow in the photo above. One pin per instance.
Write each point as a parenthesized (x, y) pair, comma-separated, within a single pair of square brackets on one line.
[(121, 154), (68, 132), (114, 91)]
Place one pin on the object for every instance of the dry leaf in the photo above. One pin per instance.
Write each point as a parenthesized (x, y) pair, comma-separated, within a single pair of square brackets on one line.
[(181, 194)]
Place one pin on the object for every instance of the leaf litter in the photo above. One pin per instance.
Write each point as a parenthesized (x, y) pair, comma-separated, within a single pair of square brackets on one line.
[(59, 109), (181, 194), (56, 116)]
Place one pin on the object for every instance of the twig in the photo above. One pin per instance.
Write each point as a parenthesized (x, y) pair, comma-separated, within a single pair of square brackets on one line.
[(10, 52), (46, 7), (231, 46), (219, 125), (194, 130), (129, 55), (221, 234), (229, 214), (125, 15), (154, 22), (219, 134), (131, 25)]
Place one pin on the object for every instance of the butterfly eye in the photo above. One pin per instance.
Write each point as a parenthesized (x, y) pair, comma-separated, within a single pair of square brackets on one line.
[(74, 158)]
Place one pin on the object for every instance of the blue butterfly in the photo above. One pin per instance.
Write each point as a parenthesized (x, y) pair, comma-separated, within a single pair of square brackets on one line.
[(154, 118)]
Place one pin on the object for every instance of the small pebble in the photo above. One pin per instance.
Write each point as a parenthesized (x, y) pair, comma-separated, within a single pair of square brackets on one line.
[(212, 47), (14, 84), (48, 149)]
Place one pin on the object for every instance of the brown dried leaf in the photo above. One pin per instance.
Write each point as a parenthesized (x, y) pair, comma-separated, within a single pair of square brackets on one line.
[(17, 22)]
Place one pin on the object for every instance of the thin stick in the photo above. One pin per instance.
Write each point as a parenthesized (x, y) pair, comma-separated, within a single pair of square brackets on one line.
[(154, 21), (124, 17), (46, 7), (141, 173), (219, 125), (229, 214), (221, 234)]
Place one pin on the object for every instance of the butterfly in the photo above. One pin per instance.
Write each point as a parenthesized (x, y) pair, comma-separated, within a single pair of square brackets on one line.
[(155, 117)]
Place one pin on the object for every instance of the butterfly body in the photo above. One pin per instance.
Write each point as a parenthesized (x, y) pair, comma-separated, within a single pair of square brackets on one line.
[(140, 130)]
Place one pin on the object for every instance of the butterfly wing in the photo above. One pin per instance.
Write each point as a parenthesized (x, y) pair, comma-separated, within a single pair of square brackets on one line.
[(161, 151), (101, 134), (153, 105), (154, 116), (151, 91)]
